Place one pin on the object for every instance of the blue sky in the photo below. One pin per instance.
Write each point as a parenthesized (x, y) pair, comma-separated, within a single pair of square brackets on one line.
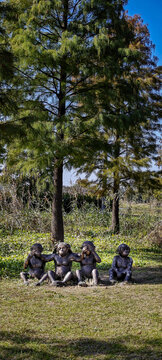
[(151, 13)]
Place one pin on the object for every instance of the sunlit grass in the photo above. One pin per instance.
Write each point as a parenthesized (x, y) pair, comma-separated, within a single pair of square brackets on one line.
[(120, 322)]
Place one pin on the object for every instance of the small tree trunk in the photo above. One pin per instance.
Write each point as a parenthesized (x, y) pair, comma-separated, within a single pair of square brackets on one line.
[(115, 204), (57, 228), (115, 213)]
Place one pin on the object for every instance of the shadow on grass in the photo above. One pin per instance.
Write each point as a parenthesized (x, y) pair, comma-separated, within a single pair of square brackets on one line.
[(148, 275), (141, 275), (17, 347)]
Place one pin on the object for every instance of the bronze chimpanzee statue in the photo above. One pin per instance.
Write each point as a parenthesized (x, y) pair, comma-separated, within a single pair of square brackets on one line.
[(88, 261), (121, 268), (63, 258), (36, 264)]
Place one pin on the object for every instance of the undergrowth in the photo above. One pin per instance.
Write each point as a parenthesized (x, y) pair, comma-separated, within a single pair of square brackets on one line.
[(88, 223)]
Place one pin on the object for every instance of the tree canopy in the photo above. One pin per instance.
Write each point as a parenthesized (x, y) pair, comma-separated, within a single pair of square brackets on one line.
[(85, 88), (127, 134)]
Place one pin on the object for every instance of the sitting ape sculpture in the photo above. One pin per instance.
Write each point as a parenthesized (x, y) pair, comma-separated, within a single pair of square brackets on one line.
[(88, 261), (63, 258), (36, 263), (122, 265)]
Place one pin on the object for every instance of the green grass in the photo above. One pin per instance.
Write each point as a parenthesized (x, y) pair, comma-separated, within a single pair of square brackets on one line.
[(120, 322), (15, 248)]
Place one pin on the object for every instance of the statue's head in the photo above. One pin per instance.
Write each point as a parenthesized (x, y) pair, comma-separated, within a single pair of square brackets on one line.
[(63, 249), (36, 249), (87, 247), (123, 250)]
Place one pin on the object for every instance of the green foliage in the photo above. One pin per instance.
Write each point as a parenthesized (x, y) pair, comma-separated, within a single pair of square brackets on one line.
[(58, 46), (8, 93), (126, 135), (87, 93), (15, 248), (56, 58)]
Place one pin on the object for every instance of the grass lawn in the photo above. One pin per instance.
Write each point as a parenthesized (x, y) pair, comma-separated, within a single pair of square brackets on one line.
[(106, 322), (120, 322)]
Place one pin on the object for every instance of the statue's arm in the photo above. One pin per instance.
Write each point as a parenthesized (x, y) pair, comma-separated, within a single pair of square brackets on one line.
[(130, 263), (114, 264), (75, 257), (26, 262), (47, 258), (96, 256)]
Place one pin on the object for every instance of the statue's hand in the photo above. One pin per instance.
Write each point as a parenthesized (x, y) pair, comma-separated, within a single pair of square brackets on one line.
[(25, 264), (91, 248)]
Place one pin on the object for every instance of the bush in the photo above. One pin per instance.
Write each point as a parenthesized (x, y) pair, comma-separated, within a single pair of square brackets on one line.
[(155, 236)]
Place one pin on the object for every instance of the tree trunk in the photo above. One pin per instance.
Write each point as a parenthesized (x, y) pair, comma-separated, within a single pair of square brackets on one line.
[(115, 209), (57, 228), (116, 185)]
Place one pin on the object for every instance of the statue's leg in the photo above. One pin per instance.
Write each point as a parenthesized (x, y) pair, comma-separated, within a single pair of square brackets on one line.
[(67, 277), (121, 275), (52, 277), (95, 277), (44, 277), (128, 275), (112, 276), (80, 278), (63, 282), (24, 277)]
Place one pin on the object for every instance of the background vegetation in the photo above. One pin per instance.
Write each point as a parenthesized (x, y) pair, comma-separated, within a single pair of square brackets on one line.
[(80, 87), (21, 227)]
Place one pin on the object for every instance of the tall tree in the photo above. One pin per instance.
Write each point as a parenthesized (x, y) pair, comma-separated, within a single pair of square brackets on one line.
[(7, 103), (127, 132), (58, 46)]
